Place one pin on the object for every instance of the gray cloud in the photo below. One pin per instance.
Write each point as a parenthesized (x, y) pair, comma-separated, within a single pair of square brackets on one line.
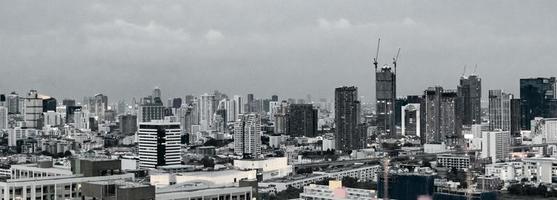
[(291, 48)]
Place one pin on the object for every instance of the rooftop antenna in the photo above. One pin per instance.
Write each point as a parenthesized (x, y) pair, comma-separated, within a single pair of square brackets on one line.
[(376, 53), (464, 71), (395, 59)]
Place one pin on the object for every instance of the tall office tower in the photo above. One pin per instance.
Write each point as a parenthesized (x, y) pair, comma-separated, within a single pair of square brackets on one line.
[(301, 120), (176, 102), (228, 105), (385, 93), (159, 144), (3, 117), (536, 95), (238, 106), (495, 145), (68, 102), (347, 118), (247, 135), (33, 110), (13, 103), (442, 120), (280, 118), (515, 118), (189, 99), (274, 98), (249, 107), (157, 93), (273, 109), (81, 119), (206, 111), (150, 109), (411, 119), (3, 100), (98, 105), (128, 124), (499, 110), (49, 104), (470, 94), (220, 120), (70, 110)]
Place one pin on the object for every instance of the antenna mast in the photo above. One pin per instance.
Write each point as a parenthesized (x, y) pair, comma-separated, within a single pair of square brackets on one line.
[(376, 53)]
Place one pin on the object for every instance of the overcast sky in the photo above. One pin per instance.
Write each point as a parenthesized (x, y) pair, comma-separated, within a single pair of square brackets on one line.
[(290, 48)]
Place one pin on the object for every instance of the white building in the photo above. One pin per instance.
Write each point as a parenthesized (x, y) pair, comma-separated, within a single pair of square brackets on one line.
[(544, 130), (453, 161), (335, 191), (270, 167), (540, 169), (3, 117), (495, 145), (499, 110), (411, 119), (52, 118), (247, 135), (33, 109), (508, 171), (159, 144)]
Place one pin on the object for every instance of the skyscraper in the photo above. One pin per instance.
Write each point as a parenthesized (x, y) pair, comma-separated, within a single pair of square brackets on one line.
[(33, 110), (13, 103), (128, 124), (537, 95), (470, 94), (206, 110), (301, 120), (347, 118), (150, 109), (159, 144), (385, 93), (247, 135), (499, 110), (3, 117), (238, 106), (98, 105), (442, 122)]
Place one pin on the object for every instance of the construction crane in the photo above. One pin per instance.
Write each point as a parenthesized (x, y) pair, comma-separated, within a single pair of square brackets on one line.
[(395, 59), (464, 71), (376, 53)]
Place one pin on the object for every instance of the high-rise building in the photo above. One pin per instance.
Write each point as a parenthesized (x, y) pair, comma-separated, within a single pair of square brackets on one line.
[(247, 135), (301, 120), (411, 119), (150, 109), (98, 105), (206, 110), (347, 118), (33, 110), (515, 117), (12, 101), (238, 106), (49, 104), (499, 110), (385, 93), (128, 124), (495, 145), (3, 117), (536, 95), (250, 104), (68, 102), (470, 94), (157, 93), (159, 144), (176, 102), (274, 98), (280, 119), (442, 120)]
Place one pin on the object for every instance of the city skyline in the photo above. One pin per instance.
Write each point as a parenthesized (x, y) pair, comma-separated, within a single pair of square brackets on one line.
[(95, 46)]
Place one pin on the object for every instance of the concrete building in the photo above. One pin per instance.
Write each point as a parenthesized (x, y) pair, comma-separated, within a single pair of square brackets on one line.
[(3, 117), (496, 145), (269, 168), (499, 110), (385, 91), (544, 130), (128, 124), (347, 118), (33, 110), (453, 161), (301, 120), (206, 110), (117, 190), (411, 119), (470, 94), (247, 135), (335, 190), (536, 95), (442, 123), (159, 144)]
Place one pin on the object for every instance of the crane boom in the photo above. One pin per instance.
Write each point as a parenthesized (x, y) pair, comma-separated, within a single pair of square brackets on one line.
[(377, 53)]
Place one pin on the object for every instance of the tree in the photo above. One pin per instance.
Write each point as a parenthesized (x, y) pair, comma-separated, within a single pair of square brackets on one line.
[(290, 193), (208, 162), (350, 182)]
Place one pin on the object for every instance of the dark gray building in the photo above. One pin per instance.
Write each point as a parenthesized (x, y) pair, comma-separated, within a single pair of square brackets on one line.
[(442, 121), (128, 124), (470, 94), (347, 118), (385, 93), (537, 96), (301, 120)]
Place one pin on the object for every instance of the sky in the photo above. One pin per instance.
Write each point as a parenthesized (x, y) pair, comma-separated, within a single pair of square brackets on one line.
[(125, 48)]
